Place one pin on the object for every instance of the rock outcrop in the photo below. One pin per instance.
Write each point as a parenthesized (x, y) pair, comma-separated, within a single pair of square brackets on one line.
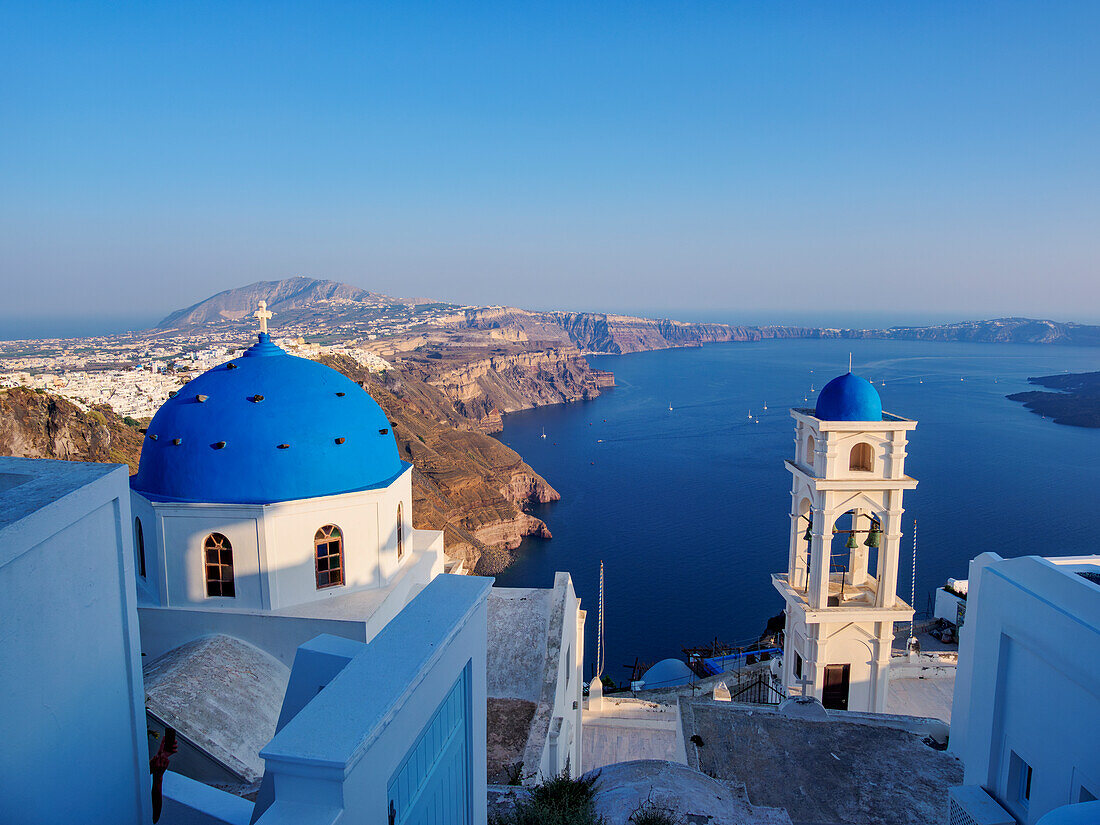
[(484, 388), (38, 425)]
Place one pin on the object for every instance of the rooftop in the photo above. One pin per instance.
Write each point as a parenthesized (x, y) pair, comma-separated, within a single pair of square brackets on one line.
[(29, 484), (223, 695), (818, 769)]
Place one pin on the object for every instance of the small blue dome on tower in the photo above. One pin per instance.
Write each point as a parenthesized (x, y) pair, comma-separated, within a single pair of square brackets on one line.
[(266, 427), (849, 398)]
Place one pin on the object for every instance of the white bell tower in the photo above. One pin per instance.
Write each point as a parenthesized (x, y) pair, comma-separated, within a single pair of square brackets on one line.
[(840, 588)]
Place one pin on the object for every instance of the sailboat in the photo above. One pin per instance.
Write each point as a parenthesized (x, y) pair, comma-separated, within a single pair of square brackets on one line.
[(670, 406), (543, 433), (750, 413), (765, 406)]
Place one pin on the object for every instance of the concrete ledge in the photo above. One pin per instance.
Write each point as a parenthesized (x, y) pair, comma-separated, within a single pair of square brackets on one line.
[(187, 802)]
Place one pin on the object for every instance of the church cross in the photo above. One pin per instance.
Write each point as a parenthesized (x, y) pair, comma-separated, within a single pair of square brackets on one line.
[(263, 314)]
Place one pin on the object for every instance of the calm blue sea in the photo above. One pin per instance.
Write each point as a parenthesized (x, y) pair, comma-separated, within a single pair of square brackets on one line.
[(689, 509)]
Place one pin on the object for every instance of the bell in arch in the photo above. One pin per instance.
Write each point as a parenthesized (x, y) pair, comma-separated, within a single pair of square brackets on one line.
[(851, 544), (874, 536)]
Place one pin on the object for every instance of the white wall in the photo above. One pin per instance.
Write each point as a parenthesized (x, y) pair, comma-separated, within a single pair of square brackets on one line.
[(273, 547), (72, 717), (1029, 680), (333, 760)]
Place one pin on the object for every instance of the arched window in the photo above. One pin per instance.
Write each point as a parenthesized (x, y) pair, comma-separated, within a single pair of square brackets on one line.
[(218, 555), (862, 457), (810, 447), (329, 547), (139, 547), (400, 530)]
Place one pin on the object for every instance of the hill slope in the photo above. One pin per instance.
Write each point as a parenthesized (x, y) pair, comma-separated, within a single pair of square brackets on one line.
[(289, 297)]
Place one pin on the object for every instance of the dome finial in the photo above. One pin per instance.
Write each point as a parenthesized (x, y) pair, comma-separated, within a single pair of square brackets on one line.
[(263, 314)]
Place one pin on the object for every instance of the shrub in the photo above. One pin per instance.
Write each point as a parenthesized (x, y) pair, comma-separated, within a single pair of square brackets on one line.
[(560, 800), (650, 813)]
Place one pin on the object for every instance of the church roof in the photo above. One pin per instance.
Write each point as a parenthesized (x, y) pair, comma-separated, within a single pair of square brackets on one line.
[(849, 398), (266, 427), (223, 695)]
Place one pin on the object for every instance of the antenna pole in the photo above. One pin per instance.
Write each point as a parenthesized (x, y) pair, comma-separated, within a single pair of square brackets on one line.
[(849, 362), (599, 631), (913, 587)]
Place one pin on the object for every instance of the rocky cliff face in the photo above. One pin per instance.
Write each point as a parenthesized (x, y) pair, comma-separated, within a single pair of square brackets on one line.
[(38, 425), (483, 389), (617, 334), (466, 483)]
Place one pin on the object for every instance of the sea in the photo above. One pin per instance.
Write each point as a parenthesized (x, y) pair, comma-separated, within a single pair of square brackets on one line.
[(688, 507)]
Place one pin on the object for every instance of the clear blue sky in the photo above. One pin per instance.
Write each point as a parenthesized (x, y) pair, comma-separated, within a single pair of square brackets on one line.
[(758, 161)]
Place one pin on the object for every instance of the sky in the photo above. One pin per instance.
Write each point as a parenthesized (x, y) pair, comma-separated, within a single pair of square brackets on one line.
[(755, 162)]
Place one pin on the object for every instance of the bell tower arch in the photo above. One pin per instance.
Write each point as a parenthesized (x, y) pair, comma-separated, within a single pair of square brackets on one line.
[(840, 589)]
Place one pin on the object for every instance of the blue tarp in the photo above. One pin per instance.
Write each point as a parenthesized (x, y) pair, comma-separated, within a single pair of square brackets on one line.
[(717, 664)]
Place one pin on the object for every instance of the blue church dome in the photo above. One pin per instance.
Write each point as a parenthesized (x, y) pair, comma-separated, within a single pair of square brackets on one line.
[(849, 398), (266, 427)]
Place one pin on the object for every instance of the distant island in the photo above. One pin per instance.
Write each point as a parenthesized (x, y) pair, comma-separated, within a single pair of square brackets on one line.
[(1076, 401)]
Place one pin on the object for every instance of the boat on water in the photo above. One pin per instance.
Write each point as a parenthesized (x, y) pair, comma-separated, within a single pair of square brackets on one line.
[(543, 433), (670, 406)]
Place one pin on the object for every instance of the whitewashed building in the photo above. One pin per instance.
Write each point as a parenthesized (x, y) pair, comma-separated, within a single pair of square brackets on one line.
[(840, 588), (1026, 714), (72, 716)]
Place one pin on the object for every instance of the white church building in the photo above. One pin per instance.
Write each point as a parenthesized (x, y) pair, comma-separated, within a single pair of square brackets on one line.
[(840, 588), (271, 486)]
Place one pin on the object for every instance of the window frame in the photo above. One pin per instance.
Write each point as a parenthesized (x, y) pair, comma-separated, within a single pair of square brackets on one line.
[(400, 530), (221, 543), (322, 539), (139, 547), (1021, 778)]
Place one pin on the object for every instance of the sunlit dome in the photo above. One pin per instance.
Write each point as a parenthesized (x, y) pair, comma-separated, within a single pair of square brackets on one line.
[(266, 427), (849, 398)]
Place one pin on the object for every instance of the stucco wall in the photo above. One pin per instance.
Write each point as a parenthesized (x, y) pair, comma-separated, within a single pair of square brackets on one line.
[(1029, 680), (163, 629), (273, 546), (72, 722)]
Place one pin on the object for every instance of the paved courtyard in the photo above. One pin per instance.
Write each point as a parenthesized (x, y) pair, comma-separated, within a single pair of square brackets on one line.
[(836, 770), (629, 729)]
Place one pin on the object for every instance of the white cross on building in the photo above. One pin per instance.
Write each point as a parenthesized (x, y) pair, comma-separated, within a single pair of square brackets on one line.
[(263, 314)]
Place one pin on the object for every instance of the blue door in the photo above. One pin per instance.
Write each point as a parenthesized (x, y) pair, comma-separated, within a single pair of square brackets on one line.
[(431, 786)]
